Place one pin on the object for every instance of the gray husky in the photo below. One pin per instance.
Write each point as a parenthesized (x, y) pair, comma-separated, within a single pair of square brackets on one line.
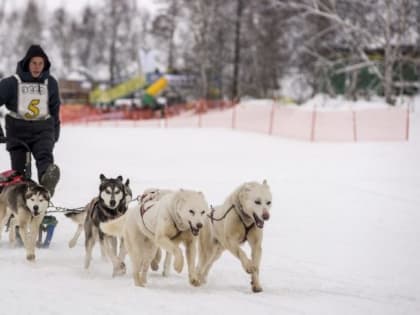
[(79, 216), (110, 204), (28, 203)]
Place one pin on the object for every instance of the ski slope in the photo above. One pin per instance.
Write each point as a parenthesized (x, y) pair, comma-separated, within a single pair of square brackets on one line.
[(343, 237)]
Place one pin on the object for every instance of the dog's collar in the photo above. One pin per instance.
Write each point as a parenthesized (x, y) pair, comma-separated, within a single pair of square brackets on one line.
[(241, 213), (178, 232), (177, 223), (111, 213), (246, 227)]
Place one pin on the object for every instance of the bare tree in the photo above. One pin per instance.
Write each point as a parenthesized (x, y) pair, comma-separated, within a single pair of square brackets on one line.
[(62, 35), (362, 26), (237, 49), (165, 27), (85, 32), (113, 35), (204, 44), (32, 27)]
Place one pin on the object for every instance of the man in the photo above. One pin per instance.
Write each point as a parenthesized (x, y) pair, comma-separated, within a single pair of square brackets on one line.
[(32, 98)]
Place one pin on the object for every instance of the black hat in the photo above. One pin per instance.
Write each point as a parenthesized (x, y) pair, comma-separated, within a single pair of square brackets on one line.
[(35, 51)]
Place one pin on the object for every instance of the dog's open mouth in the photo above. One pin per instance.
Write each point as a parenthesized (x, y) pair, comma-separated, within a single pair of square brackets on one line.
[(35, 211), (258, 222), (194, 230)]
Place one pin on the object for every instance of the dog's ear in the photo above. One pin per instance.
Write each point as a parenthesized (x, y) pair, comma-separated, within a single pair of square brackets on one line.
[(247, 187), (102, 177), (265, 182), (47, 195), (127, 182), (243, 192), (180, 196), (120, 178), (28, 192)]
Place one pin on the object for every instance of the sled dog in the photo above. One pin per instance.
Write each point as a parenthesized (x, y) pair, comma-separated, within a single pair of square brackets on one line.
[(161, 219), (238, 220), (110, 204), (28, 203), (79, 216)]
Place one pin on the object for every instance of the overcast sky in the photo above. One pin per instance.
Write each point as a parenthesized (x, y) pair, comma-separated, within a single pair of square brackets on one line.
[(73, 5)]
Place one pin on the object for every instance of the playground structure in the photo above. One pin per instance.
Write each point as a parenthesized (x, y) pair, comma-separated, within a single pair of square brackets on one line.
[(129, 87)]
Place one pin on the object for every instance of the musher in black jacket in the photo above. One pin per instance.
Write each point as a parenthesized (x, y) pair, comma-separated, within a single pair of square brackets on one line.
[(33, 100)]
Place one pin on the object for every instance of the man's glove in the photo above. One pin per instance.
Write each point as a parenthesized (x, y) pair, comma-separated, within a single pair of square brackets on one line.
[(2, 137), (56, 131)]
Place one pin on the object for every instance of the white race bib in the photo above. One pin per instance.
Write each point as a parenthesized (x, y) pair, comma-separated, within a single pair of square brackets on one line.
[(32, 102)]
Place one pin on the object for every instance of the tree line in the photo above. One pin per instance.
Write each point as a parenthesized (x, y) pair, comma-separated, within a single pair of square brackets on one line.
[(233, 48)]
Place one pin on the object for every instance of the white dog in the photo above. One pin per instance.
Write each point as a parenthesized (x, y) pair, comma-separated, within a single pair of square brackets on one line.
[(161, 219), (239, 219)]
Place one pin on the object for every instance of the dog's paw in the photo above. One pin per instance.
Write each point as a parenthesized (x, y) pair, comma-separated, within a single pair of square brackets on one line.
[(195, 281), (139, 284), (249, 266), (154, 265), (256, 289), (179, 263), (119, 270), (72, 244), (201, 278), (30, 257)]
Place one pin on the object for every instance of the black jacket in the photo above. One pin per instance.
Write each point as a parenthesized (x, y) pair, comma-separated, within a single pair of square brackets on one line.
[(9, 86)]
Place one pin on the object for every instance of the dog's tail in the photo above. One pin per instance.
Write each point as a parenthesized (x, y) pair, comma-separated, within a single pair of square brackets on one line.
[(76, 216), (114, 227)]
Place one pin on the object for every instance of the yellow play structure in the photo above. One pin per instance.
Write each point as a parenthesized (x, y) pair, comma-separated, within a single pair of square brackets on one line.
[(99, 96)]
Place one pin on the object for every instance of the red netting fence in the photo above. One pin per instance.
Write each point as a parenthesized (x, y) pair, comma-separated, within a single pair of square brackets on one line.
[(314, 124)]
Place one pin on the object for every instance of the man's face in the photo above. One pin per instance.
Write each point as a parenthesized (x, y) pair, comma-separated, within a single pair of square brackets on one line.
[(36, 65)]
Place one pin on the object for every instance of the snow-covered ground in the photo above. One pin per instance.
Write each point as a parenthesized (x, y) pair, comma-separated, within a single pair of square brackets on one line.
[(343, 237)]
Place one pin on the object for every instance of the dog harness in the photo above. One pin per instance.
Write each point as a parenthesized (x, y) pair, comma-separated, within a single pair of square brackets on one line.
[(32, 101), (247, 228), (106, 213), (149, 197), (10, 177)]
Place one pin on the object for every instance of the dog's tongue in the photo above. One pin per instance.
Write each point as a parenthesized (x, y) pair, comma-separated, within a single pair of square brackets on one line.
[(258, 222), (194, 231)]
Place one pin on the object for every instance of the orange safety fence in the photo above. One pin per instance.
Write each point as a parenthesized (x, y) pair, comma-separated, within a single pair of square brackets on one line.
[(311, 124)]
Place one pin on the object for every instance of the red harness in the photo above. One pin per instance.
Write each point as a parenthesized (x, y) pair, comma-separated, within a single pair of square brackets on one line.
[(10, 177)]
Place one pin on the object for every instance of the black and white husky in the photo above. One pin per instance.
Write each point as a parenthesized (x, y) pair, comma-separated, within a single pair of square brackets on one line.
[(79, 217), (28, 203), (110, 204)]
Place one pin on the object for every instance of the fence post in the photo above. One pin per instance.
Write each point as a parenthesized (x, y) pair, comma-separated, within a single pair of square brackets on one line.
[(313, 124), (234, 116), (270, 128), (200, 108), (407, 124), (354, 126), (165, 117)]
